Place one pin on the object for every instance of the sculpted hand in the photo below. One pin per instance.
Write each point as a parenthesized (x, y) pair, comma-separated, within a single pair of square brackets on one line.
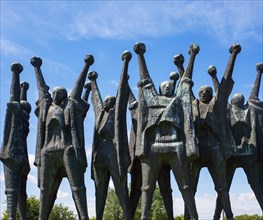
[(212, 71), (179, 60), (16, 68), (126, 55), (259, 67), (36, 61), (174, 76), (93, 75), (194, 49), (139, 48), (24, 85), (235, 48), (89, 59)]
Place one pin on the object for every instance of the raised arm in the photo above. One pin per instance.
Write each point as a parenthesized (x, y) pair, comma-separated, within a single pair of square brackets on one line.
[(174, 78), (256, 87), (212, 72), (140, 49), (87, 88), (193, 51), (123, 90), (95, 95), (145, 79), (24, 86), (120, 125), (16, 69), (41, 84), (234, 50), (78, 87), (179, 62)]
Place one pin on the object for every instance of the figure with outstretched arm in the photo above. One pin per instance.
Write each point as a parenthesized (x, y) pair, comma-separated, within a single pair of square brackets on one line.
[(164, 134), (13, 152), (60, 149), (244, 119), (110, 153), (166, 89), (213, 134)]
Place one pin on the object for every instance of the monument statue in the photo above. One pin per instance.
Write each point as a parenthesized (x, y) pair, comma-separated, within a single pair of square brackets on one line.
[(214, 137), (13, 152), (60, 148), (165, 134), (166, 89), (245, 125), (110, 153)]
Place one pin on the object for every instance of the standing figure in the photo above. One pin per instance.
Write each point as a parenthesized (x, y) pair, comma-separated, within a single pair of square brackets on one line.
[(13, 153), (166, 89), (165, 134), (60, 149), (110, 154), (214, 137), (245, 127)]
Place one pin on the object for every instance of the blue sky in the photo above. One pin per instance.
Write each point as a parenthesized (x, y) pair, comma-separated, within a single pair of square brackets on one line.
[(63, 32)]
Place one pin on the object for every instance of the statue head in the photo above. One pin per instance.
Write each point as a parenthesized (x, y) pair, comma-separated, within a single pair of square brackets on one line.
[(205, 94), (109, 102), (238, 100), (59, 94), (166, 89)]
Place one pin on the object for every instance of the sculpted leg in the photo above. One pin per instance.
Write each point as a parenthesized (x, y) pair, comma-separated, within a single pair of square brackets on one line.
[(150, 173), (121, 189), (218, 174), (194, 178), (230, 170), (22, 198), (76, 180), (12, 176), (164, 182), (50, 180), (181, 170), (136, 184), (254, 173), (102, 178)]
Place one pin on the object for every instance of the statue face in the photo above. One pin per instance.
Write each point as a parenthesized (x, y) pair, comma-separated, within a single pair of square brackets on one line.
[(109, 103), (58, 95), (238, 100), (166, 89), (205, 94)]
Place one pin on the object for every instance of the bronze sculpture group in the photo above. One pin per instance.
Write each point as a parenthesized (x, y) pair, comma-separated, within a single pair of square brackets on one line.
[(171, 131)]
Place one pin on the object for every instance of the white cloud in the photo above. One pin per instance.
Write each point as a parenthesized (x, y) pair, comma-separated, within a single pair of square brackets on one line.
[(12, 49), (32, 179), (242, 203), (125, 20), (61, 194)]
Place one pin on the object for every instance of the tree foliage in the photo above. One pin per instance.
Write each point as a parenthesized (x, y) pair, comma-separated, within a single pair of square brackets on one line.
[(113, 209), (248, 217), (59, 212)]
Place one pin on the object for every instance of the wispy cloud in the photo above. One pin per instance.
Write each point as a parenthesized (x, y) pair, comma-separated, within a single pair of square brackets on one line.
[(127, 20), (12, 49)]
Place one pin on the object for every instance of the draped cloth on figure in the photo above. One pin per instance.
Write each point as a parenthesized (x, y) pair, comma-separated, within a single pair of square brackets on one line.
[(154, 109)]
